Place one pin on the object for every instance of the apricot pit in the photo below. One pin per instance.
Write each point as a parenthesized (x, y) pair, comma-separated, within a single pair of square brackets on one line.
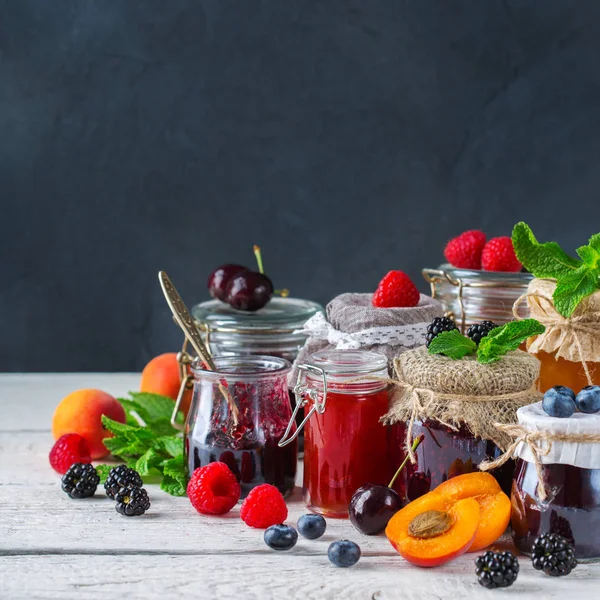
[(430, 524)]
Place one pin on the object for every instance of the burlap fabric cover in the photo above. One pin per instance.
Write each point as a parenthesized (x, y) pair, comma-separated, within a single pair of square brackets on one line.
[(354, 323), (560, 335), (464, 391)]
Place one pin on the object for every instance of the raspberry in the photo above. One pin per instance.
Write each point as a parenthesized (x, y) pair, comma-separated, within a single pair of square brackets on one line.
[(499, 255), (69, 449), (264, 506), (396, 290), (464, 251), (213, 489)]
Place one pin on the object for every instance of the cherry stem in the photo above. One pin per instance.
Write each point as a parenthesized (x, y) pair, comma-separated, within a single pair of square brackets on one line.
[(259, 259), (415, 445), (284, 293)]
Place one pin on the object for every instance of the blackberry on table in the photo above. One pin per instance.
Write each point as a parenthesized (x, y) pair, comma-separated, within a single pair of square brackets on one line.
[(436, 327), (121, 477), (478, 331), (553, 554), (132, 501), (80, 481), (496, 569)]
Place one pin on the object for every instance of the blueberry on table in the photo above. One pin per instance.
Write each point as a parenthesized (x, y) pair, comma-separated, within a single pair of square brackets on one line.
[(343, 553), (588, 399), (559, 401), (281, 537), (311, 527)]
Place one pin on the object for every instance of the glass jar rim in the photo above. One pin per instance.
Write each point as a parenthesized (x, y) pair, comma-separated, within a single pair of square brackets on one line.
[(497, 277), (348, 362), (242, 366)]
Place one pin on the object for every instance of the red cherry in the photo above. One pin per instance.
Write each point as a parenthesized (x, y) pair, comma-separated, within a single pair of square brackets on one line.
[(220, 277), (249, 291)]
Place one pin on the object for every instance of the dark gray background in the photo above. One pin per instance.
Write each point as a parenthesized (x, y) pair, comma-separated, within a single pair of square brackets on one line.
[(346, 137)]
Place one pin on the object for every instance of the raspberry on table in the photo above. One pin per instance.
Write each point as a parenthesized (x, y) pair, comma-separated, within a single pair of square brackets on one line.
[(121, 477), (132, 501), (213, 489), (464, 251), (69, 449), (80, 481), (396, 290), (264, 506), (499, 255)]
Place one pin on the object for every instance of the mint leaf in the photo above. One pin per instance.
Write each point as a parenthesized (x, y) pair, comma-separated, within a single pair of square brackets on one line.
[(116, 427), (594, 242), (149, 460), (162, 427), (103, 471), (172, 445), (571, 289), (175, 468), (152, 407), (505, 338), (452, 344), (115, 444), (172, 486), (547, 260)]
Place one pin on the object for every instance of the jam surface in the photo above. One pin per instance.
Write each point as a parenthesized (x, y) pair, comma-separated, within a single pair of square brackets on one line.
[(572, 508), (558, 371), (443, 454), (344, 448)]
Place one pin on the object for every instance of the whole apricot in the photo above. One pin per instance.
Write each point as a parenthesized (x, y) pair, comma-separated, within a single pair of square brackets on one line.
[(161, 376), (81, 412)]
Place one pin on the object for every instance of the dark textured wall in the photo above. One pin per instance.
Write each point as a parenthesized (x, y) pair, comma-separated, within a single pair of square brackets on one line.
[(347, 137)]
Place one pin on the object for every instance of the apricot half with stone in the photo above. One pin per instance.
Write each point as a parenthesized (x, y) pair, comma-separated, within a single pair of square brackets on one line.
[(433, 529)]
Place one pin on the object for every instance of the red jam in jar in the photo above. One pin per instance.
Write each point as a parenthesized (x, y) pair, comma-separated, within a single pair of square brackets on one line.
[(571, 477), (346, 446)]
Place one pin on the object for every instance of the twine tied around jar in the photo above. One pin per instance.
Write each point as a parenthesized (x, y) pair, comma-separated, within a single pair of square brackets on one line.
[(540, 444)]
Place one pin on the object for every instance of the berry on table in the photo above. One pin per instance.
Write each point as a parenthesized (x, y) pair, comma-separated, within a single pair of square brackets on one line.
[(311, 527), (436, 327), (478, 331), (264, 506), (464, 251), (120, 477), (214, 489), (559, 401), (499, 255), (496, 569), (343, 553), (69, 449), (588, 399), (132, 501), (553, 554), (396, 290), (80, 481), (280, 537)]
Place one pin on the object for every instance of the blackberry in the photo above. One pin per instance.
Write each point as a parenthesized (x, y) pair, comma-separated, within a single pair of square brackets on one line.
[(496, 569), (80, 481), (132, 501), (436, 327), (478, 331), (553, 554), (121, 477)]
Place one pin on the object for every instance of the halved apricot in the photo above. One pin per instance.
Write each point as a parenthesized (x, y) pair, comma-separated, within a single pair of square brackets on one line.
[(433, 529)]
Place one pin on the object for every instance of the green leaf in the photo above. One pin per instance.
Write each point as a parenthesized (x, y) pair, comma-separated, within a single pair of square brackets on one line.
[(115, 444), (508, 337), (547, 260), (573, 288), (172, 486), (162, 427), (172, 445), (152, 407), (118, 428), (594, 242), (452, 344), (103, 471), (175, 467), (148, 461)]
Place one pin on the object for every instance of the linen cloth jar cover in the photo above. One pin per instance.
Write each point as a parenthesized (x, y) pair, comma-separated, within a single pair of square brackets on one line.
[(455, 405), (566, 498)]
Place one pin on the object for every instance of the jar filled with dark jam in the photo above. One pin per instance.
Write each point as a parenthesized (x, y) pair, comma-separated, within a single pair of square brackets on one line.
[(444, 453), (571, 477)]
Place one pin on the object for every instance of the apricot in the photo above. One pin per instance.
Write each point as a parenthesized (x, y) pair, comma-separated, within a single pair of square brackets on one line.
[(81, 411), (433, 529), (494, 504), (161, 376)]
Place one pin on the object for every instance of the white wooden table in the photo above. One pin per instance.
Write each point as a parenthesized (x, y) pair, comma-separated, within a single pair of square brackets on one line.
[(55, 547)]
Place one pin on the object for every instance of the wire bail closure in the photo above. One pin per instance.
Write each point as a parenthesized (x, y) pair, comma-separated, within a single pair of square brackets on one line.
[(305, 394)]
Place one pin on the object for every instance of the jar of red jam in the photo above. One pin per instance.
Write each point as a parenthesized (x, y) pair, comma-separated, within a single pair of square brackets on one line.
[(345, 395), (571, 482), (246, 439)]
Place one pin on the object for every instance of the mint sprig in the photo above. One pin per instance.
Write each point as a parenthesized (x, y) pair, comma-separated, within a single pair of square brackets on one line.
[(147, 441), (575, 278), (492, 347)]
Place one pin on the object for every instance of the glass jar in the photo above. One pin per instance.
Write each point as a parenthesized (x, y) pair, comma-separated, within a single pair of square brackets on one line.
[(555, 370), (474, 296), (572, 484), (345, 443), (257, 385), (444, 453)]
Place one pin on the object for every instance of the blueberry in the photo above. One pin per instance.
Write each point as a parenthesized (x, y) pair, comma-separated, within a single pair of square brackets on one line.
[(588, 399), (559, 401), (281, 537), (343, 553), (311, 526)]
